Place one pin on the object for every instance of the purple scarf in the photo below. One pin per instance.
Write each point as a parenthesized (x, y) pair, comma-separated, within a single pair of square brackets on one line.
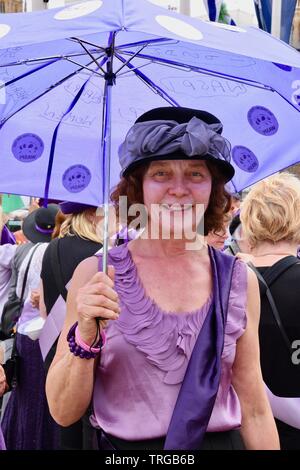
[(2, 443), (199, 389), (7, 237)]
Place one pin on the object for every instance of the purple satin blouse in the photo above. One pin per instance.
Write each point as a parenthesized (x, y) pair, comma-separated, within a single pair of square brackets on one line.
[(146, 355)]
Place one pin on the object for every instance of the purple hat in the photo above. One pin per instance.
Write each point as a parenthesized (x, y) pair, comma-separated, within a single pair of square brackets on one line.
[(68, 207), (39, 224), (176, 133)]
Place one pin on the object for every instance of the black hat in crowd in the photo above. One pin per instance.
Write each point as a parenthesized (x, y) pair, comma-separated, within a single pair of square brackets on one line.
[(68, 207), (39, 224), (181, 116)]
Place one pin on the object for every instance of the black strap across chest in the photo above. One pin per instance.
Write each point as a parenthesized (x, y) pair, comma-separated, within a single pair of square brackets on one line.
[(266, 280)]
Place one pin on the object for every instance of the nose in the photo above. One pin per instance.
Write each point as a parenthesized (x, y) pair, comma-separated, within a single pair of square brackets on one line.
[(178, 187)]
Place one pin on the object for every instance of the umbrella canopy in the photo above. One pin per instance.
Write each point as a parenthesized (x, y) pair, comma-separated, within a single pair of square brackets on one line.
[(55, 66)]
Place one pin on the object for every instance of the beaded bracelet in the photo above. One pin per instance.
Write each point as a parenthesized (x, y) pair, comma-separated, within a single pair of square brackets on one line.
[(82, 350), (96, 349)]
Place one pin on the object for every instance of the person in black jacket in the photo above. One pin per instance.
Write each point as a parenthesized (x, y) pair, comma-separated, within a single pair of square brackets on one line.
[(26, 423), (79, 238)]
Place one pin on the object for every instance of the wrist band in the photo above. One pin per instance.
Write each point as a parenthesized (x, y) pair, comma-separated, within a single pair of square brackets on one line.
[(86, 347), (82, 350)]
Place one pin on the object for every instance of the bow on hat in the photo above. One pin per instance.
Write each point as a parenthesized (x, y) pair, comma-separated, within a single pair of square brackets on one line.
[(160, 137)]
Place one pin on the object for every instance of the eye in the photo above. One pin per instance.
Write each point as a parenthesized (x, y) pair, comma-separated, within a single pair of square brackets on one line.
[(197, 174), (160, 175)]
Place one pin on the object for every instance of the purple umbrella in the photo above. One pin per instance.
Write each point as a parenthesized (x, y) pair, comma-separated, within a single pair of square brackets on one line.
[(74, 79)]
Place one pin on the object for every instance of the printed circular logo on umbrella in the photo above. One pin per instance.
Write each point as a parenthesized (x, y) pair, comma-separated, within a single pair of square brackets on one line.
[(286, 68), (296, 93), (245, 159), (27, 148), (76, 178), (262, 120)]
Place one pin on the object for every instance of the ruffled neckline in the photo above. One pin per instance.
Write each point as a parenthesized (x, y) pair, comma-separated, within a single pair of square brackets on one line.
[(166, 338)]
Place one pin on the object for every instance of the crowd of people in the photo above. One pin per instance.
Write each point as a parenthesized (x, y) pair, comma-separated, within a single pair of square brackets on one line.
[(182, 342)]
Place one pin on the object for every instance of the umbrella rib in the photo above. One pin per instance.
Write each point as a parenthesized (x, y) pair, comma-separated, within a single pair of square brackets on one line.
[(130, 59), (73, 39), (30, 72), (283, 97), (54, 138), (135, 68), (81, 42), (42, 94), (178, 65), (40, 59), (85, 67), (150, 41), (153, 87)]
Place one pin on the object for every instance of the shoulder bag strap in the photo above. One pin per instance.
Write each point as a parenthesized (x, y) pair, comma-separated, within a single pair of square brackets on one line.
[(56, 268), (275, 271), (27, 270), (273, 307)]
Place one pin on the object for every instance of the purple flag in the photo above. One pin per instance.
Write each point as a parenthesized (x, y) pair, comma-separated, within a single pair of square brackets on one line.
[(7, 237)]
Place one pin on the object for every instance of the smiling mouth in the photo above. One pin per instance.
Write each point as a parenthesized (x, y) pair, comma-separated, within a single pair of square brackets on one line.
[(177, 207)]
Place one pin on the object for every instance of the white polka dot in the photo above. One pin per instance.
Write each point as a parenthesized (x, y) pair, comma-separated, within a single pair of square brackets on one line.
[(4, 30), (229, 27), (155, 2), (179, 27), (78, 10)]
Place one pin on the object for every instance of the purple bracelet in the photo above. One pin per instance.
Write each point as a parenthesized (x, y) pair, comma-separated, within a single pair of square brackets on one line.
[(78, 350)]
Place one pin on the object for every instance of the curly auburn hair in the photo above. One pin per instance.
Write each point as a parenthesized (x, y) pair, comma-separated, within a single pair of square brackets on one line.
[(219, 205)]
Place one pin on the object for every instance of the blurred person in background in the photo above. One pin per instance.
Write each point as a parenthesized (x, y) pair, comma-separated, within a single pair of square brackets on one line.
[(235, 203), (27, 424), (2, 391), (78, 237), (7, 252), (237, 242), (217, 238), (271, 226)]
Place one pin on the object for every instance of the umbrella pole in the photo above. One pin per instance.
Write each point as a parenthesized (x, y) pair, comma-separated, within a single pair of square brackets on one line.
[(106, 147)]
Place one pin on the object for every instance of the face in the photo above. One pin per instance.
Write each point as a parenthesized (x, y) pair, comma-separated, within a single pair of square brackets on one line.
[(235, 206), (217, 238), (176, 193)]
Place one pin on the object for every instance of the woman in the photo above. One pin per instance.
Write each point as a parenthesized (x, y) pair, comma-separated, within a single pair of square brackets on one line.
[(159, 295), (271, 224), (79, 237), (217, 238), (7, 252), (27, 424)]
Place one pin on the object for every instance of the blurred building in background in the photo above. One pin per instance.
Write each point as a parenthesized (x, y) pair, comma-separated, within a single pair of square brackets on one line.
[(241, 11), (11, 6), (295, 40)]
